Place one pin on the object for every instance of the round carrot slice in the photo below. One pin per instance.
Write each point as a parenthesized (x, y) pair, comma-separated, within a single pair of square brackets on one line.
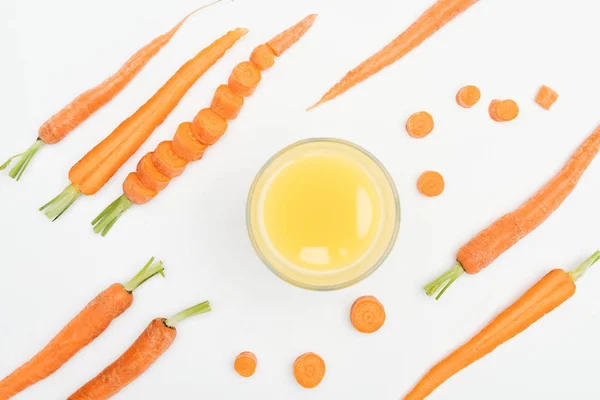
[(263, 57), (367, 314), (507, 110), (135, 190), (420, 124), (185, 145), (167, 161), (208, 127), (309, 370), (150, 176), (244, 78), (245, 364), (492, 110), (431, 183), (468, 96), (225, 103)]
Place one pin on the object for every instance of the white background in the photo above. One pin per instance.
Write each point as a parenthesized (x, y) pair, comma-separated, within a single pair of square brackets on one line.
[(53, 50)]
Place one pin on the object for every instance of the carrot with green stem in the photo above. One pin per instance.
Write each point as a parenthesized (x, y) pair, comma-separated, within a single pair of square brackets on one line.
[(490, 243), (87, 103), (550, 292), (149, 346), (78, 333), (96, 168), (435, 17), (155, 170)]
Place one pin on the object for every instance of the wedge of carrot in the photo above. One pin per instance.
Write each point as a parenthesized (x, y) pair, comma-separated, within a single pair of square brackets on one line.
[(78, 333), (87, 103), (490, 243), (96, 168), (435, 17), (148, 347), (206, 128), (550, 292)]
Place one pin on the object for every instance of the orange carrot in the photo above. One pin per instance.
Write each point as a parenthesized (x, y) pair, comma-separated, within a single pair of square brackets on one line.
[(419, 125), (550, 292), (468, 96), (149, 175), (148, 347), (78, 333), (87, 103), (263, 57), (92, 172), (490, 243), (546, 97), (438, 15), (367, 314), (136, 191), (309, 370), (245, 364), (192, 139), (431, 183), (167, 161)]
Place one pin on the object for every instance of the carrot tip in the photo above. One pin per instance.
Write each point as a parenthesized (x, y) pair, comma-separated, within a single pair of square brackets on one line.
[(441, 284), (58, 205), (111, 214), (242, 31), (25, 159)]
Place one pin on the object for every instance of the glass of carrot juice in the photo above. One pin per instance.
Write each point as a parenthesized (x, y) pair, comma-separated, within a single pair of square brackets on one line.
[(323, 214)]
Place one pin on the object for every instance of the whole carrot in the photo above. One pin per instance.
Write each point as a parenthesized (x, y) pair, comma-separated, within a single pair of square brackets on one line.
[(96, 168), (484, 248), (78, 333), (156, 169), (550, 292), (87, 103), (438, 15), (147, 348)]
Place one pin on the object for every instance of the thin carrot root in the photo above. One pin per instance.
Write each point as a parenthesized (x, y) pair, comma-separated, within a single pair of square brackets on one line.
[(245, 364), (58, 205), (150, 269), (309, 370), (441, 284), (201, 308), (111, 214), (367, 314), (24, 160)]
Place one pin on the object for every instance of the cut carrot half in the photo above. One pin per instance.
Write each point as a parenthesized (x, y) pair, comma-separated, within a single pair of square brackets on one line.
[(468, 96), (431, 183), (420, 124), (245, 364), (309, 370), (367, 314)]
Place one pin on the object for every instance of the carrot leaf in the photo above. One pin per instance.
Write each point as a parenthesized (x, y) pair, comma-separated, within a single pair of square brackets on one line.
[(25, 159), (201, 308), (579, 271), (111, 214), (58, 205), (441, 284), (149, 270)]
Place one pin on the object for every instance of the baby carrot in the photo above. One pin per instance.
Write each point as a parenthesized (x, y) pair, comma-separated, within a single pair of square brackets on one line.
[(78, 333), (490, 243), (367, 314), (245, 364), (309, 370), (87, 103), (96, 168), (207, 127), (550, 292), (148, 347), (468, 96), (431, 183)]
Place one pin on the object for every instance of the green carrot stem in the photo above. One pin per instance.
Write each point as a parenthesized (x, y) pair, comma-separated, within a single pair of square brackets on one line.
[(579, 271), (25, 159), (58, 205), (145, 273), (111, 214), (441, 284), (201, 308)]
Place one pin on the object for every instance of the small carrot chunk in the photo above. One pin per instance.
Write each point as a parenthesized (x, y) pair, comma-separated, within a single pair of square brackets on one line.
[(263, 57), (167, 161), (546, 97), (503, 110), (136, 191), (245, 364), (367, 314), (244, 78), (431, 183), (420, 124), (185, 145), (225, 103), (468, 96), (150, 176), (309, 370), (208, 127)]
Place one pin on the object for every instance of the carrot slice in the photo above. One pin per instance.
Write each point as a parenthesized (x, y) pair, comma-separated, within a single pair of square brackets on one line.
[(136, 191), (244, 78), (468, 96), (263, 57), (185, 145), (546, 97), (367, 314), (309, 370), (503, 110), (420, 124), (150, 176), (431, 183), (492, 110), (245, 364), (208, 127), (167, 161), (225, 103)]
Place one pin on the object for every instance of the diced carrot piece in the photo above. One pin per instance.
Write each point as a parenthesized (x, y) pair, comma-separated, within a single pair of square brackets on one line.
[(546, 97), (225, 103), (263, 57), (150, 176), (136, 191), (167, 161), (244, 78), (208, 127), (185, 145)]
